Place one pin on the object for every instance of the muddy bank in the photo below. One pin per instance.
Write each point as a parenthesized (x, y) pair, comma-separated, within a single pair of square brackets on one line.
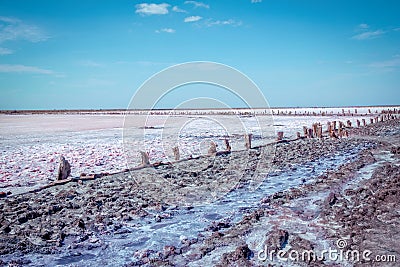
[(76, 217)]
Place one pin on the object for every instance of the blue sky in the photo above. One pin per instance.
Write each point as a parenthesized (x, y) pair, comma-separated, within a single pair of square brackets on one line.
[(96, 54)]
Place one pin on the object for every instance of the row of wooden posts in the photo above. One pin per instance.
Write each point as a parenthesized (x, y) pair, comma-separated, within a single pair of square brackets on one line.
[(335, 129), (290, 112)]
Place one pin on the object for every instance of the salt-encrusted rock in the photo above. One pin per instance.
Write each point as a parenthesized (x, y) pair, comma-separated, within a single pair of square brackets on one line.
[(64, 169), (395, 150), (169, 251), (332, 199), (277, 239), (239, 257)]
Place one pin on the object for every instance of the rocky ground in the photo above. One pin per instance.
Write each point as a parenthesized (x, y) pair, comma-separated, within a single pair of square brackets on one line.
[(357, 203)]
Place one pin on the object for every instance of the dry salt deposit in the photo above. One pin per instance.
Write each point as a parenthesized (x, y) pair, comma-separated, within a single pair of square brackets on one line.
[(93, 141)]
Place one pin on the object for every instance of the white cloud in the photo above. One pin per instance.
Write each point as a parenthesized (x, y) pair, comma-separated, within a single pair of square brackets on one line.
[(363, 26), (5, 51), (396, 29), (231, 22), (192, 19), (197, 4), (368, 35), (179, 10), (391, 63), (152, 9), (12, 29), (24, 69), (256, 1), (363, 31), (167, 30)]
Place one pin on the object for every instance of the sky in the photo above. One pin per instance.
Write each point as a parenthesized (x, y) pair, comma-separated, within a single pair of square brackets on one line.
[(92, 54)]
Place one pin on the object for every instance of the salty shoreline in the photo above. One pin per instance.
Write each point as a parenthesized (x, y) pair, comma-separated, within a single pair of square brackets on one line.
[(81, 221)]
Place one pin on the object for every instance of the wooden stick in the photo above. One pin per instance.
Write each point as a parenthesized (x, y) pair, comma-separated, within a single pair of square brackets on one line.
[(247, 139), (177, 155), (280, 136), (145, 158), (227, 145), (310, 133), (64, 169), (212, 150), (305, 130)]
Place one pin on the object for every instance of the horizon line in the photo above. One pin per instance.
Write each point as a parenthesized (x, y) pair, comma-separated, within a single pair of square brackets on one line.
[(169, 109)]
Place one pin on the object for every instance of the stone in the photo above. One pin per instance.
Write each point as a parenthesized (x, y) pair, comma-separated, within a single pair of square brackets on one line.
[(239, 257), (332, 199), (278, 239), (169, 251)]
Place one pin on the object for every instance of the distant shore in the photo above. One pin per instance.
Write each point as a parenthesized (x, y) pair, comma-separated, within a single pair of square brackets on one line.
[(123, 111)]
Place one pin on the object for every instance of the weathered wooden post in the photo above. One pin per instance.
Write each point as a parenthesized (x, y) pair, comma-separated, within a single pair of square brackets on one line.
[(334, 125), (376, 119), (64, 169), (310, 133), (247, 140), (227, 145), (364, 123), (212, 150), (340, 132), (358, 123), (177, 155), (331, 131), (371, 120), (349, 123), (319, 131), (145, 158), (315, 127), (305, 131), (298, 135), (280, 136)]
